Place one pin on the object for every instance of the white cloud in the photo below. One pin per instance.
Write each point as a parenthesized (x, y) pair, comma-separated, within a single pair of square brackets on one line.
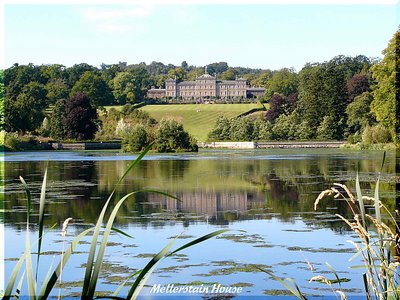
[(142, 11)]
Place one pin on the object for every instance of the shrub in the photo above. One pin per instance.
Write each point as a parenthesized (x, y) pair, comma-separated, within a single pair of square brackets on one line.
[(134, 139), (171, 137), (376, 135)]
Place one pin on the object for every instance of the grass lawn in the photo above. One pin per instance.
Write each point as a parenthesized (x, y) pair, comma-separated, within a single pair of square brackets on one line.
[(198, 119)]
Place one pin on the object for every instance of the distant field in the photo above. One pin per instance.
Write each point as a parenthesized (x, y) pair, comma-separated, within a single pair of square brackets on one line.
[(197, 119)]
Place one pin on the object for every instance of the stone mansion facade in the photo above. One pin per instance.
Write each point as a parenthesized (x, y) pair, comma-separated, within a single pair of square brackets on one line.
[(206, 87)]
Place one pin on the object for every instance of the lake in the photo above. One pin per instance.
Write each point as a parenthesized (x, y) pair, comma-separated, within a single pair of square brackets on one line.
[(265, 197)]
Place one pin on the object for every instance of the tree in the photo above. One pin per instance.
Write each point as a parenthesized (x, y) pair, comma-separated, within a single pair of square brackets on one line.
[(229, 74), (221, 130), (326, 130), (179, 74), (26, 112), (171, 137), (93, 85), (57, 89), (80, 119), (280, 104), (359, 113), (131, 86), (284, 82), (357, 85), (241, 129), (58, 128), (75, 72), (384, 72), (135, 139)]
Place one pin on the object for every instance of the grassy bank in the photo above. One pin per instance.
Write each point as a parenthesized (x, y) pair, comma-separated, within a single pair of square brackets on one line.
[(198, 119)]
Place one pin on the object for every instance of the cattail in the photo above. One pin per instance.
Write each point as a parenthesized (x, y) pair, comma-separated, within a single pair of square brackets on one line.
[(65, 226)]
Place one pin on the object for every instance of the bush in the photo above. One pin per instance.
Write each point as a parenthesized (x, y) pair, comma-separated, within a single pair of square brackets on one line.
[(134, 139), (376, 135), (171, 137)]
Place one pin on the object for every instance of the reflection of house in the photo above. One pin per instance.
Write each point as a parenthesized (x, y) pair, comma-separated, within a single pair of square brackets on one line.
[(206, 87), (209, 203)]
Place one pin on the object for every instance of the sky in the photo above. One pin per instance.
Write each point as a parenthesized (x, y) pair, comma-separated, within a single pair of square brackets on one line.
[(266, 36)]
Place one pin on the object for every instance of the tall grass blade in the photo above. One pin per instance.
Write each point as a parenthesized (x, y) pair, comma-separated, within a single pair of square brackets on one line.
[(366, 286), (100, 255), (360, 201), (135, 289), (295, 290), (13, 277), (103, 245), (41, 219), (19, 287), (132, 165), (92, 252), (121, 286), (334, 273), (199, 240), (121, 232), (49, 284), (28, 258), (148, 269)]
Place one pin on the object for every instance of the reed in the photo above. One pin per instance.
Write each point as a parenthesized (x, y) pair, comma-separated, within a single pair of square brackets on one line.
[(24, 269), (377, 238)]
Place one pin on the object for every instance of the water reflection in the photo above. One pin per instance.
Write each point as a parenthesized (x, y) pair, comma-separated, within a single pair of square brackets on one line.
[(218, 189)]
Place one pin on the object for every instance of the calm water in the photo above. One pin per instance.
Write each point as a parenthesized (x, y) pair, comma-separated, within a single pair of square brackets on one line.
[(269, 194)]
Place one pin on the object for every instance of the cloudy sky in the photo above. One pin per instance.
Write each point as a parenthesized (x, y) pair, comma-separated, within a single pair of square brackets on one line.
[(257, 35)]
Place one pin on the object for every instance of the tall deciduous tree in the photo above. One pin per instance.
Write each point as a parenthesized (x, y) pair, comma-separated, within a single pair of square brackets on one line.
[(384, 72), (284, 82), (80, 119), (131, 86), (26, 112), (95, 88)]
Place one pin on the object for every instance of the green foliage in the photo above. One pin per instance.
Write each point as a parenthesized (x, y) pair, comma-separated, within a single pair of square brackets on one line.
[(377, 134), (135, 139), (241, 129), (95, 256), (58, 128), (179, 74), (171, 137), (385, 72), (359, 113), (131, 86), (283, 82), (326, 130), (25, 113), (222, 129), (323, 92), (93, 85), (1, 100), (57, 89), (283, 128)]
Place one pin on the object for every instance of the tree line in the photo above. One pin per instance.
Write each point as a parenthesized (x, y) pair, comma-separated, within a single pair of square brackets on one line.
[(346, 97), (351, 98)]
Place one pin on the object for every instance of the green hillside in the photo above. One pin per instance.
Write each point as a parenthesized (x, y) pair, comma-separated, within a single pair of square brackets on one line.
[(198, 119)]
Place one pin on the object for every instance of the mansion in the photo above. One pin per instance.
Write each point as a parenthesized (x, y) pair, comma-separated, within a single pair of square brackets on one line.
[(206, 87)]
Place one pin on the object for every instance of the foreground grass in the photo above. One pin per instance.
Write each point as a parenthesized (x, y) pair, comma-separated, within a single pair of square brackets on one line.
[(135, 282), (198, 119)]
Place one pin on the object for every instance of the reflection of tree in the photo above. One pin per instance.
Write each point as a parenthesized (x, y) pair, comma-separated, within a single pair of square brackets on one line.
[(223, 190)]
